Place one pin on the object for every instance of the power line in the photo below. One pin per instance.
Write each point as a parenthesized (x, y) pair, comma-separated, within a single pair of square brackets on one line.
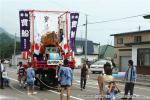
[(98, 22), (62, 6), (119, 19)]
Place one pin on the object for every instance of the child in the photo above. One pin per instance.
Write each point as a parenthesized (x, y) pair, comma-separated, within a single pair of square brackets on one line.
[(113, 90), (6, 82), (21, 74)]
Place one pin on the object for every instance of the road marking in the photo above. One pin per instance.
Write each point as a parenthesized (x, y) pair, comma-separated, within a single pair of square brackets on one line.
[(121, 92), (34, 97), (87, 85), (92, 82), (66, 95), (10, 70), (88, 82), (85, 89), (13, 79), (4, 97), (48, 90)]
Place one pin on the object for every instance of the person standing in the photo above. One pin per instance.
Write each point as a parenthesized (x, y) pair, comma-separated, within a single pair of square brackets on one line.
[(65, 78), (2, 69), (30, 79), (130, 78), (107, 86), (84, 73), (21, 74)]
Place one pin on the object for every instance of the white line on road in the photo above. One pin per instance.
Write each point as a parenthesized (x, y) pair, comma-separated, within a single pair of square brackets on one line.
[(48, 90), (12, 71), (87, 85), (21, 91), (13, 79), (121, 92), (65, 95), (85, 89), (91, 82), (3, 97)]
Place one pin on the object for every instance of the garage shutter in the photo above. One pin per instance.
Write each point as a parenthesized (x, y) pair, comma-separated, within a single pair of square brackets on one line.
[(124, 62)]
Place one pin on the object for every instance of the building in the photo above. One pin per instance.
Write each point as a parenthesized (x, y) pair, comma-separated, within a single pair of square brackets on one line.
[(135, 46), (106, 51), (92, 50)]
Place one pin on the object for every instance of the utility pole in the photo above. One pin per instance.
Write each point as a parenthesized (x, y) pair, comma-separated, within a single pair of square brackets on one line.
[(99, 52), (86, 38), (14, 55), (15, 45)]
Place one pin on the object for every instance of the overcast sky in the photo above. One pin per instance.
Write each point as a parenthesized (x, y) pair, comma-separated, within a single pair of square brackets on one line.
[(97, 10)]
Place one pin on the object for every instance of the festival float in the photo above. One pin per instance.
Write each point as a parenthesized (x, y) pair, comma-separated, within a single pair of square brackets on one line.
[(47, 38)]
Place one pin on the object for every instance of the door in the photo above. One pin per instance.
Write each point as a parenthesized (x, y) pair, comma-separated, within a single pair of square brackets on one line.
[(124, 62)]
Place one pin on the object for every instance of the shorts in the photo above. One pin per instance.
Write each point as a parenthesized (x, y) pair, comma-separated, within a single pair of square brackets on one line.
[(21, 77), (31, 83), (65, 86)]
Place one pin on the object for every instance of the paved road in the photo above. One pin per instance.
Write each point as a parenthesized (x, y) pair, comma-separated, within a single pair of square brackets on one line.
[(17, 93)]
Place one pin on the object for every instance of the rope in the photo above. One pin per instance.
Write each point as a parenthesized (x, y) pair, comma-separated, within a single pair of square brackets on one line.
[(46, 84)]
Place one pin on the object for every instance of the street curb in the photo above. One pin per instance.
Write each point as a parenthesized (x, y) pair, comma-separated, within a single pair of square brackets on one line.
[(137, 83)]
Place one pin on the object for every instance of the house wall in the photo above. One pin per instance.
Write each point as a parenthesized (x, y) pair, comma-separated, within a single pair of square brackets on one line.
[(121, 50), (134, 54), (96, 49), (134, 51), (130, 38)]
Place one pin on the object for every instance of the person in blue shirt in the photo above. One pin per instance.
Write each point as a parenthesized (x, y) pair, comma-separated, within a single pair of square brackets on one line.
[(130, 78), (65, 78), (30, 79)]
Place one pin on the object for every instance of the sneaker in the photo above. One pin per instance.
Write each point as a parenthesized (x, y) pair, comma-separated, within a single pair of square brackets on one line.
[(29, 93), (20, 85), (130, 99), (1, 87), (24, 86), (124, 98), (34, 92)]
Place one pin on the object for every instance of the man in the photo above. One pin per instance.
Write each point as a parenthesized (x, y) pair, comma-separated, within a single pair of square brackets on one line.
[(30, 79), (130, 78), (84, 73), (2, 69), (65, 78)]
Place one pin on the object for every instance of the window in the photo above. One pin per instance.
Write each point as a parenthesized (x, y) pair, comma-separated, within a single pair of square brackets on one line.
[(120, 41), (143, 57), (137, 39), (79, 49)]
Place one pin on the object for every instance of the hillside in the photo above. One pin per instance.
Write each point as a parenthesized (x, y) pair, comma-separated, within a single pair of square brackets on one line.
[(7, 44)]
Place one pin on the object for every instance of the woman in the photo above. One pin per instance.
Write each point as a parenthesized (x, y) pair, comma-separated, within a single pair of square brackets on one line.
[(107, 87)]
